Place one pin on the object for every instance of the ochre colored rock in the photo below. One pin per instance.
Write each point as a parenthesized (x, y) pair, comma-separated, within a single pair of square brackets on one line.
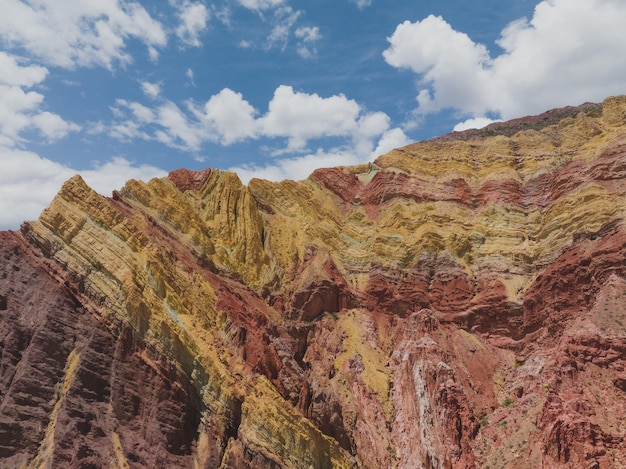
[(458, 303)]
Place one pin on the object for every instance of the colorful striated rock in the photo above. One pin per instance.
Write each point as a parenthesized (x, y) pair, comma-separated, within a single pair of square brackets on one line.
[(458, 303)]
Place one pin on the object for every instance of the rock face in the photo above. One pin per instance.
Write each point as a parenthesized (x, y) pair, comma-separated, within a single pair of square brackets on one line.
[(459, 303)]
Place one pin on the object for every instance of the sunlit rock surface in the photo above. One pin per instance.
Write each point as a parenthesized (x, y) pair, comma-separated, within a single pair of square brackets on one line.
[(458, 303)]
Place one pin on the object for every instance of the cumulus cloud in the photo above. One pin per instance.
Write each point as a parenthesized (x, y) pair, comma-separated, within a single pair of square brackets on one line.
[(29, 182), (229, 116), (12, 73), (16, 110), (193, 18), (293, 118), (565, 54), (20, 109), (27, 185), (448, 61), (70, 33), (52, 126), (300, 116), (390, 140)]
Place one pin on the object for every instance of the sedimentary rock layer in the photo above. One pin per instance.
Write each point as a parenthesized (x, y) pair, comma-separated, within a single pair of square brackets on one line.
[(458, 303)]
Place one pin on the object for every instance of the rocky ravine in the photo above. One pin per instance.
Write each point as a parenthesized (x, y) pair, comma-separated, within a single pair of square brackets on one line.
[(459, 303)]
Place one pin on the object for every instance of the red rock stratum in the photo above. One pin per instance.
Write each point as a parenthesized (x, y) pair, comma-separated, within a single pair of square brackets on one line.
[(459, 303)]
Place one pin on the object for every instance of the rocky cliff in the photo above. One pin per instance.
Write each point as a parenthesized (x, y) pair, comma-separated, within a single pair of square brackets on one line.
[(459, 303)]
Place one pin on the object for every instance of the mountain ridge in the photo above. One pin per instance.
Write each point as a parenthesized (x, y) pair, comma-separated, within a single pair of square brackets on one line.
[(460, 302)]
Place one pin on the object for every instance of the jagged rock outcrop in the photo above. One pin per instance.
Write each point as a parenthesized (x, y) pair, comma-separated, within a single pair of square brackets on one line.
[(458, 303)]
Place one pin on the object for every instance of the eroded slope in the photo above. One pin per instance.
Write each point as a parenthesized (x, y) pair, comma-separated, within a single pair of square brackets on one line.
[(457, 303)]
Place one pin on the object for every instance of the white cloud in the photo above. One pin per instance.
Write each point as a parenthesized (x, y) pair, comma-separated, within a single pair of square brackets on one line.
[(259, 5), (373, 124), (301, 167), (129, 127), (285, 18), (565, 54), (29, 182), (362, 3), (307, 36), (174, 127), (295, 117), (178, 130), (474, 123), (305, 52), (52, 126), (70, 33), (21, 110), (152, 90), (369, 128), (123, 131), (14, 74), (16, 110), (449, 60), (229, 116), (193, 19), (300, 116), (298, 168), (189, 75), (113, 174), (153, 53), (308, 33), (391, 139), (223, 14), (142, 113)]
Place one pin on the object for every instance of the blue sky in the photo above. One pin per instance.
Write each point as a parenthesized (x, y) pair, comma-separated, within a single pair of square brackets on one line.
[(120, 89)]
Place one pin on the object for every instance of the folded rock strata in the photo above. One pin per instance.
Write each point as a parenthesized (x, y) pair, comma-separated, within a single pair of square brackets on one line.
[(458, 303)]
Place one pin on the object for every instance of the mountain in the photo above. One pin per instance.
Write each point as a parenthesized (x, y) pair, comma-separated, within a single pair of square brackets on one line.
[(458, 303)]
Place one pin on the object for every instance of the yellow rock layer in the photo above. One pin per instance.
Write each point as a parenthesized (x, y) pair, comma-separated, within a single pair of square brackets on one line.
[(269, 427), (44, 455)]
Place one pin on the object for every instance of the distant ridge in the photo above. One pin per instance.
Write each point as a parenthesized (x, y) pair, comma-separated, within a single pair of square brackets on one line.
[(511, 127)]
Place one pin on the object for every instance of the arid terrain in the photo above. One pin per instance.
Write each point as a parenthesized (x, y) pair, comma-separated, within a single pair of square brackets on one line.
[(458, 303)]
